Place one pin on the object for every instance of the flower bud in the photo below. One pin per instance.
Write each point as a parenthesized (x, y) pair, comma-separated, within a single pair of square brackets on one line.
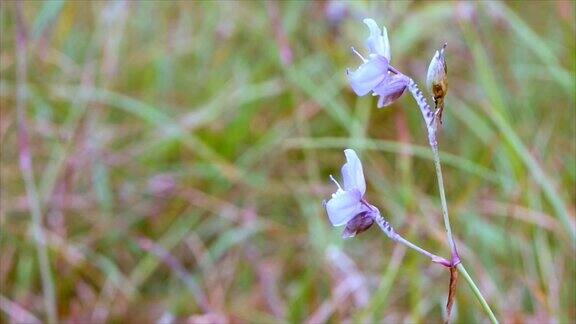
[(437, 77)]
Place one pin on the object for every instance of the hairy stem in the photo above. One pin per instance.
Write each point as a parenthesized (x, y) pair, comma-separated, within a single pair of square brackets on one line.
[(389, 231), (477, 293), (28, 171)]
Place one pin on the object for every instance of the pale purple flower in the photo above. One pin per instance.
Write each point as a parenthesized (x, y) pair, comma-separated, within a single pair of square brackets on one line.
[(374, 73), (347, 205)]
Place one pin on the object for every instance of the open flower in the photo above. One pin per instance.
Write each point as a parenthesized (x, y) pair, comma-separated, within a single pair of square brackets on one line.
[(373, 75), (347, 205)]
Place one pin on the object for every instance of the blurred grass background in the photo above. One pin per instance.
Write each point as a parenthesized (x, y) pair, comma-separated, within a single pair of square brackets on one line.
[(181, 153)]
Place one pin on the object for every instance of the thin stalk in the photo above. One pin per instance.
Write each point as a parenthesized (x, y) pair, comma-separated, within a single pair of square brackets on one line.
[(389, 231), (434, 257), (477, 293), (455, 256), (28, 171)]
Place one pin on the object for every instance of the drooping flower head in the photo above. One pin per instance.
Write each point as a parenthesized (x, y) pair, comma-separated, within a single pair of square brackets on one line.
[(347, 205), (374, 75)]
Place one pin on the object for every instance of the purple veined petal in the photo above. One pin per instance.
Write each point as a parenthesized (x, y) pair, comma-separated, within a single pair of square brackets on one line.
[(343, 206), (391, 89), (352, 173), (368, 75), (377, 42), (358, 224)]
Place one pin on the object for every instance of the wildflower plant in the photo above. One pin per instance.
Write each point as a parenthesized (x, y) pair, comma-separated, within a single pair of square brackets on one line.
[(348, 206)]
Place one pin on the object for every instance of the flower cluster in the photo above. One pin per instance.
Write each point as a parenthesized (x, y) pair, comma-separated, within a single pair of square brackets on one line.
[(348, 206)]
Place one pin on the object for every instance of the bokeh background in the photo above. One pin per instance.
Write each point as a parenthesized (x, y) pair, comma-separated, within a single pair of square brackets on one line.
[(180, 154)]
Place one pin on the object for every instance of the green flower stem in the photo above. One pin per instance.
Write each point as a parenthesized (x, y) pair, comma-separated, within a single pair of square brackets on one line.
[(455, 256), (477, 293)]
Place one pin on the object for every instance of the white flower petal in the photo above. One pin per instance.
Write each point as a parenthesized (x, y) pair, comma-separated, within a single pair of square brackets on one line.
[(436, 75), (341, 208), (432, 70), (368, 75), (377, 42), (352, 173)]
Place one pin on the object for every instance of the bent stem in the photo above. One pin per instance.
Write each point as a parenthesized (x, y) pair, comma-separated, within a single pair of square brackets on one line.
[(389, 231), (477, 293), (435, 258)]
